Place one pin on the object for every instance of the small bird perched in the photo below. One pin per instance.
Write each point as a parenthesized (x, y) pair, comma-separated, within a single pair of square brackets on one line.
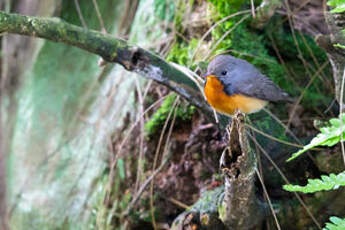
[(235, 84)]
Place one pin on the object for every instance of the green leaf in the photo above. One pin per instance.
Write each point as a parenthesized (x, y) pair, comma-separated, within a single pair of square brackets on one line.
[(329, 136), (337, 224), (335, 122), (329, 182), (338, 4), (339, 9), (339, 46)]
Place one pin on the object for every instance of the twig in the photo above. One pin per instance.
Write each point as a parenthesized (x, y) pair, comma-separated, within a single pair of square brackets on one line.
[(157, 154), (119, 152), (268, 199), (141, 140), (214, 26), (99, 16), (341, 115), (178, 203), (252, 8), (303, 92), (143, 187), (264, 12), (81, 17), (273, 138), (287, 130), (225, 35)]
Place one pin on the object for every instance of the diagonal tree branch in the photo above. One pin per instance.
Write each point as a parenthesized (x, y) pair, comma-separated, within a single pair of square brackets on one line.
[(111, 49)]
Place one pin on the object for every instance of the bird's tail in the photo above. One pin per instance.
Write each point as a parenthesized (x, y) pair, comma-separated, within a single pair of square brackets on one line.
[(288, 98)]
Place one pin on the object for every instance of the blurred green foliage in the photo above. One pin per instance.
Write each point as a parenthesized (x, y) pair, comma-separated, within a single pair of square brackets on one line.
[(327, 182), (227, 7), (286, 44), (339, 45), (182, 53), (339, 5), (183, 113), (329, 136), (164, 9), (252, 46), (336, 223)]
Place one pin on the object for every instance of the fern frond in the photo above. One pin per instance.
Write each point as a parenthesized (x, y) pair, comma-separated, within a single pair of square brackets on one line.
[(329, 136), (337, 224), (314, 185)]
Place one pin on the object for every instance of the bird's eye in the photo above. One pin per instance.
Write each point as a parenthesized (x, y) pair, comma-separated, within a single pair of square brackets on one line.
[(224, 72)]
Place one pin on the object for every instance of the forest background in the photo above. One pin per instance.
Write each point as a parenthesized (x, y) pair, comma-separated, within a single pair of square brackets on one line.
[(89, 144)]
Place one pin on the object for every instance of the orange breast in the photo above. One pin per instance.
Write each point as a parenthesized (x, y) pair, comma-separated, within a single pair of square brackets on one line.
[(226, 104)]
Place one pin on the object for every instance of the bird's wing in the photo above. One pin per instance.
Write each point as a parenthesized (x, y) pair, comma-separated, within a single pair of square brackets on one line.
[(260, 86)]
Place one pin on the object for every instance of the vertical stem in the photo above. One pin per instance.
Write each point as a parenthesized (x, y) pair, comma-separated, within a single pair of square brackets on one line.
[(240, 208)]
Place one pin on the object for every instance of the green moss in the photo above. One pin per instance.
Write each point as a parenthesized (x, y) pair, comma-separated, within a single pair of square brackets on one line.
[(288, 47), (227, 7), (270, 126), (184, 113), (209, 201), (182, 53), (219, 10), (251, 46)]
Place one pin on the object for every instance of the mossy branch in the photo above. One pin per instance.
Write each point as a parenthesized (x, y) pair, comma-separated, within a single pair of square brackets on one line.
[(111, 49)]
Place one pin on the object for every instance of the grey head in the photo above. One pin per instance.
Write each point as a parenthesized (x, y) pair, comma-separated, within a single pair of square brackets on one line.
[(240, 77)]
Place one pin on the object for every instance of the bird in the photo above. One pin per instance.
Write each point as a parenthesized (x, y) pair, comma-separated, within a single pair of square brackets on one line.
[(234, 84)]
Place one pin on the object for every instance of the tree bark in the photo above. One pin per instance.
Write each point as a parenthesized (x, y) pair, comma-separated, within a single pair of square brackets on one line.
[(240, 208)]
